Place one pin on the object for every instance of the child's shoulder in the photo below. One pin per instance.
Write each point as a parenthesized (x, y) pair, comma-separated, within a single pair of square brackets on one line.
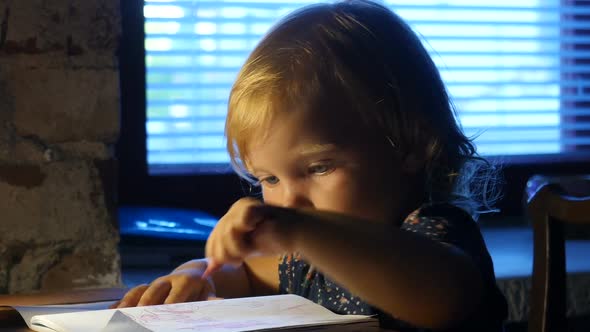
[(453, 226), (439, 221), (440, 210)]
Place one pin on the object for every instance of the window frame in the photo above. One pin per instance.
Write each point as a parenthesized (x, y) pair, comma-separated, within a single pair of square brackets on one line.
[(214, 193)]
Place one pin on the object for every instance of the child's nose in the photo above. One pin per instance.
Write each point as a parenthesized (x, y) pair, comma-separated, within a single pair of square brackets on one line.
[(294, 197)]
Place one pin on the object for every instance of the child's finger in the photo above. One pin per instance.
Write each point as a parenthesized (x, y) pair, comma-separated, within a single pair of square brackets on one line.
[(247, 223), (244, 217), (178, 295), (227, 251), (238, 244), (205, 293), (212, 267), (132, 297), (155, 294), (115, 305)]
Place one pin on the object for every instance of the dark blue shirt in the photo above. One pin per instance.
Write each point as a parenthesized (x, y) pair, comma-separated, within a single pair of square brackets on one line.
[(443, 223)]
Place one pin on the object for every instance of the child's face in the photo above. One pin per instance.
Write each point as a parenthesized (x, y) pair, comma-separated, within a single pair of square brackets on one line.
[(306, 161)]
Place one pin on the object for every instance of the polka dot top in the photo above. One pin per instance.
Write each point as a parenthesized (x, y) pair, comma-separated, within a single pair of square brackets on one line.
[(443, 223)]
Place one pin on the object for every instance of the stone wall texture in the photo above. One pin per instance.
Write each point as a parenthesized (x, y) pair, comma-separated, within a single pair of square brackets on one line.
[(59, 119)]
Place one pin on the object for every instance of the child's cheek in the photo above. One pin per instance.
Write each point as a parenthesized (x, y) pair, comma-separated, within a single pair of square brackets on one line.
[(270, 196)]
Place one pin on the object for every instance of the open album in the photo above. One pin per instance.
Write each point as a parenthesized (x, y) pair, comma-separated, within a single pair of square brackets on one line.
[(265, 313)]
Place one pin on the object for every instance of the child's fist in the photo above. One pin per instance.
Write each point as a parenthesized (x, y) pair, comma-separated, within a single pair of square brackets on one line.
[(248, 228)]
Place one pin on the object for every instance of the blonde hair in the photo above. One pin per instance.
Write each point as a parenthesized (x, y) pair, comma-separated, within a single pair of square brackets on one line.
[(360, 58)]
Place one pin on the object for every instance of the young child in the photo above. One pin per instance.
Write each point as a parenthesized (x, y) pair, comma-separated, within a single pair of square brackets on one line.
[(368, 183)]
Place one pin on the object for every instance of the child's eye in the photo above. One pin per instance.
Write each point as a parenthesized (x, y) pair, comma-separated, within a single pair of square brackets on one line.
[(320, 169), (271, 180)]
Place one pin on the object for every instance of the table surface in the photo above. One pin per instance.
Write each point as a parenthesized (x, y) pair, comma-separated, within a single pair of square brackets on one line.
[(25, 329), (15, 329), (511, 251)]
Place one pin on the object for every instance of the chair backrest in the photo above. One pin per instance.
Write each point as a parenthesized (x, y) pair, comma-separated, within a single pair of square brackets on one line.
[(552, 202)]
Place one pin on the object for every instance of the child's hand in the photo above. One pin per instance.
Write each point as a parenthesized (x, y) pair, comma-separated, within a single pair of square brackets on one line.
[(182, 285), (246, 229)]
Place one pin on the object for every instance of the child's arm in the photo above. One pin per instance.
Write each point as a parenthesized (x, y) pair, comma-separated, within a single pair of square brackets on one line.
[(417, 280), (257, 276), (409, 276), (261, 274)]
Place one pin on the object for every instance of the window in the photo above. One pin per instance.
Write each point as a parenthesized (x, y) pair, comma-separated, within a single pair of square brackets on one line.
[(509, 65), (518, 71)]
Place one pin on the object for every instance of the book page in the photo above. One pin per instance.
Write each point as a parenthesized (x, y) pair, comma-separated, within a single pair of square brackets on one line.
[(10, 316), (28, 312), (243, 314)]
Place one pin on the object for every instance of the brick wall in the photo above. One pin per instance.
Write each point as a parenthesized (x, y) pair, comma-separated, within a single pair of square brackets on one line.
[(59, 118)]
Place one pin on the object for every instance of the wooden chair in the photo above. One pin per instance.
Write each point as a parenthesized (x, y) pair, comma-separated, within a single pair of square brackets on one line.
[(552, 202)]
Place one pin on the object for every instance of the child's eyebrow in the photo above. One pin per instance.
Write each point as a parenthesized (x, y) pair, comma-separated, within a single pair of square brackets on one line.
[(316, 149), (302, 153)]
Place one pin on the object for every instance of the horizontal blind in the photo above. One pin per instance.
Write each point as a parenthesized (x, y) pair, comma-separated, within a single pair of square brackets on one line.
[(517, 71)]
